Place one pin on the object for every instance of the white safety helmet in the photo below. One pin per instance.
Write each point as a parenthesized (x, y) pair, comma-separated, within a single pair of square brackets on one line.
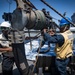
[(5, 24)]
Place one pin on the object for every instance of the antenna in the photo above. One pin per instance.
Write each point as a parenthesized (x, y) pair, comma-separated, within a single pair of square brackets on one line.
[(64, 14)]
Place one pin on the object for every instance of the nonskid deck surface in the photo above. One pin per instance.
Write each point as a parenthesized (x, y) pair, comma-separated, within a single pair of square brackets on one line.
[(70, 70)]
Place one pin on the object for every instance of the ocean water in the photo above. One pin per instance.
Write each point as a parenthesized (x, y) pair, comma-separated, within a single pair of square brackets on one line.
[(32, 53)]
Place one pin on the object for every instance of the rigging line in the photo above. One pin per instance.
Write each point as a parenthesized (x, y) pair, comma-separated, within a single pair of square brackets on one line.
[(10, 2), (37, 56), (56, 19), (30, 40)]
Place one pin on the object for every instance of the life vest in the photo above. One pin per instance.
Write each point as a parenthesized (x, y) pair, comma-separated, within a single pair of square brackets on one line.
[(65, 50), (3, 41)]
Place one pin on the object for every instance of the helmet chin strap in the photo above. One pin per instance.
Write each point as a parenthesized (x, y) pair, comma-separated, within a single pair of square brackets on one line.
[(65, 28)]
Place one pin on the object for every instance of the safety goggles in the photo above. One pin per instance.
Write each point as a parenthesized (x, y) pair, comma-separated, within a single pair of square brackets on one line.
[(53, 30), (4, 28)]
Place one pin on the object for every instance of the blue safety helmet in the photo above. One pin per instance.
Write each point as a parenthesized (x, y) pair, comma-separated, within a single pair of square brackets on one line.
[(64, 22)]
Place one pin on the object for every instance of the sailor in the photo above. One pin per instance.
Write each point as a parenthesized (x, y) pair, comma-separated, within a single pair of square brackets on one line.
[(64, 43), (45, 51), (46, 47), (6, 49)]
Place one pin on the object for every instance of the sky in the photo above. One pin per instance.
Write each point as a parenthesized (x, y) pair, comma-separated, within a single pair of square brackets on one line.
[(61, 6)]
